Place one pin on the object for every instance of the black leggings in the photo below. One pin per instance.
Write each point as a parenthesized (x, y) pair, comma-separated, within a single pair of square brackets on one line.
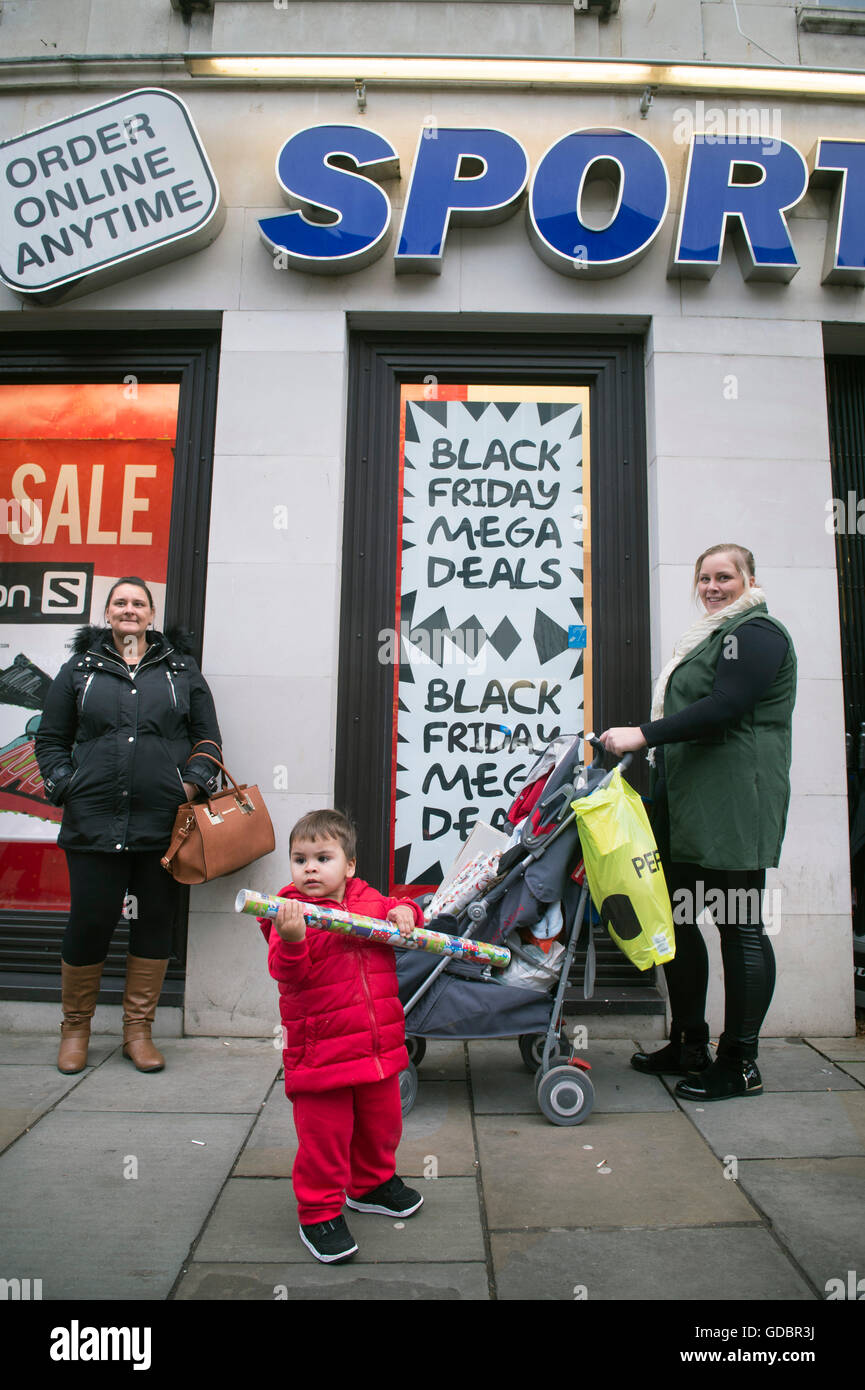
[(99, 883), (735, 901)]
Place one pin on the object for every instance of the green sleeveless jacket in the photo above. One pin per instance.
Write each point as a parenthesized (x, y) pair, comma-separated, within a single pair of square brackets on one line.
[(728, 795)]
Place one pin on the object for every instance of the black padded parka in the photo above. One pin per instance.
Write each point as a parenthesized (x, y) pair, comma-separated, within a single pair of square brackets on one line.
[(113, 745)]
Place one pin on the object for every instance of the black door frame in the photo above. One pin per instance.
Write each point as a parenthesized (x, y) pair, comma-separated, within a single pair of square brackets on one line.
[(612, 367)]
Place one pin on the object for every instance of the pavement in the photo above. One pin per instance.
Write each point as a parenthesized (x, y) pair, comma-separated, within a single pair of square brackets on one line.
[(176, 1186)]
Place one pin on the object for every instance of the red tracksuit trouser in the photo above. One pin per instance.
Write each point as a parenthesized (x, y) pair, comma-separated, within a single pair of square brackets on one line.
[(347, 1142)]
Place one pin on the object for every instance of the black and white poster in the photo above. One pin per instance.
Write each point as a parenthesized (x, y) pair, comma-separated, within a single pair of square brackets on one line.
[(492, 642)]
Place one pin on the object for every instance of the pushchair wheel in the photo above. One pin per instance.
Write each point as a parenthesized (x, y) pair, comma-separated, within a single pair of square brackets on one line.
[(408, 1087), (416, 1050), (565, 1095), (532, 1049)]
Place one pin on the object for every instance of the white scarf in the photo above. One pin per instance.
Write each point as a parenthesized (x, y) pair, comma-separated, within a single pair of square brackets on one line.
[(696, 634)]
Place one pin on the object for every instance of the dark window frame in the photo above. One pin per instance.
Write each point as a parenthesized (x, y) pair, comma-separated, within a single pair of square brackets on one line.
[(30, 941), (612, 367)]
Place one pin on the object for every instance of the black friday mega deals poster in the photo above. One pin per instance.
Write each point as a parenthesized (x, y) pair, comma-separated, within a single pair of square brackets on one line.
[(492, 636)]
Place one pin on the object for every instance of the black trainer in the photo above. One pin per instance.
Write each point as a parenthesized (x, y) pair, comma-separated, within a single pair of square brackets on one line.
[(329, 1241), (391, 1198)]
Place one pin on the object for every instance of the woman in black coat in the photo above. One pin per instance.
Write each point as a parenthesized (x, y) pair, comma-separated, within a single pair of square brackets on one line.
[(120, 722)]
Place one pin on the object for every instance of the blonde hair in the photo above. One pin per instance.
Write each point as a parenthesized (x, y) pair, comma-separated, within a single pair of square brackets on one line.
[(742, 558)]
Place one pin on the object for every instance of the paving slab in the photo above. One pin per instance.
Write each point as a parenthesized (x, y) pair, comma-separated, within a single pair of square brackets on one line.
[(26, 1092), (255, 1220), (854, 1069), (40, 1049), (437, 1137), (207, 1075), (618, 1087), (787, 1125), (501, 1082), (349, 1282), (660, 1173), (794, 1066), (107, 1207), (840, 1049), (716, 1264), (816, 1209), (443, 1061), (503, 1085), (270, 1149), (790, 1065)]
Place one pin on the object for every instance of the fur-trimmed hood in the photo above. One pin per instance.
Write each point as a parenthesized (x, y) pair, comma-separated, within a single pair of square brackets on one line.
[(94, 635)]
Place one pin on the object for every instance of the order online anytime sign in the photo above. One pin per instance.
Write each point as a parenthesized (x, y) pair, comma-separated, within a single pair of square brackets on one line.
[(105, 193)]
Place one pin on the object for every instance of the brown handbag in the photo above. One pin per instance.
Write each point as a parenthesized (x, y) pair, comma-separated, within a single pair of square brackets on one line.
[(217, 836)]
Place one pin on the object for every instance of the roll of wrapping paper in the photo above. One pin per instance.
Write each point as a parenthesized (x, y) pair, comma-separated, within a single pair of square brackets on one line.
[(371, 929)]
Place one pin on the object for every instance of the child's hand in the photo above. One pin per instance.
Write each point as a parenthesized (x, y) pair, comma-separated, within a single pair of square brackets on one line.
[(289, 921), (403, 920)]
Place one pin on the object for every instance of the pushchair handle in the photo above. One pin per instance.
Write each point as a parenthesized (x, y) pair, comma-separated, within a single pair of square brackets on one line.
[(601, 752)]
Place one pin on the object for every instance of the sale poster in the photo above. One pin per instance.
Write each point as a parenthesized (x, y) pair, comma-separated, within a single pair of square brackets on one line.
[(492, 635), (86, 477)]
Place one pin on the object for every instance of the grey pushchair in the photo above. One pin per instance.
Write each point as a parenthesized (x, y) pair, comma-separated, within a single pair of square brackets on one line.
[(454, 1000)]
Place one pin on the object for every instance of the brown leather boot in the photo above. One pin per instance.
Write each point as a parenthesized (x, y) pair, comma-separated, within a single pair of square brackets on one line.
[(140, 997), (80, 990)]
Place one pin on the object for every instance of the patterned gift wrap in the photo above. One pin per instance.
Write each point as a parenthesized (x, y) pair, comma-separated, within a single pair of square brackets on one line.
[(371, 929), (472, 878)]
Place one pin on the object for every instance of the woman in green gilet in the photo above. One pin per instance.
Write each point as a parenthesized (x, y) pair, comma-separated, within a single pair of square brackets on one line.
[(720, 736)]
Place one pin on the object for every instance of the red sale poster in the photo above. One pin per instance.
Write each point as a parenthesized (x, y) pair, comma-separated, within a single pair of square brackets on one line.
[(86, 476)]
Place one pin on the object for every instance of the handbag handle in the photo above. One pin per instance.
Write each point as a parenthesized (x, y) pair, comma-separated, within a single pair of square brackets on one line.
[(213, 744), (225, 772), (200, 744)]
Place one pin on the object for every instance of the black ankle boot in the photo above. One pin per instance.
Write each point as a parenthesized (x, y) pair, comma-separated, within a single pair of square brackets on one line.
[(726, 1078), (678, 1058)]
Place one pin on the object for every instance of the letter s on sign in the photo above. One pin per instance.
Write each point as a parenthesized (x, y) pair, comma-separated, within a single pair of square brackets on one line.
[(330, 169)]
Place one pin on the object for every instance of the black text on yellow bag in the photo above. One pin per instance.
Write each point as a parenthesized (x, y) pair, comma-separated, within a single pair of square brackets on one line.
[(624, 871)]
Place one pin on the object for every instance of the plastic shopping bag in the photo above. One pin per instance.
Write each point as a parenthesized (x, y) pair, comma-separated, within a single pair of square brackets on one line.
[(623, 867)]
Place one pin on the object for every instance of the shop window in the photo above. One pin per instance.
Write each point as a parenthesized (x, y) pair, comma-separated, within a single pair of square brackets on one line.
[(495, 584), (104, 471)]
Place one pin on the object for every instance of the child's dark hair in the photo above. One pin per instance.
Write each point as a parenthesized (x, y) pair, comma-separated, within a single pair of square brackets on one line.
[(326, 825)]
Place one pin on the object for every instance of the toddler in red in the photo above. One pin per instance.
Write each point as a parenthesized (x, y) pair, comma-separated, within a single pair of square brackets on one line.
[(343, 1032)]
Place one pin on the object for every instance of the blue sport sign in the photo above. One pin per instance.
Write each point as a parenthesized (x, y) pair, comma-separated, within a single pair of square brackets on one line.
[(341, 218)]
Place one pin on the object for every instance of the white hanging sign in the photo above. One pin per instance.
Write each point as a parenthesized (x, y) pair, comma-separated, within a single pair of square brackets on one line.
[(103, 194)]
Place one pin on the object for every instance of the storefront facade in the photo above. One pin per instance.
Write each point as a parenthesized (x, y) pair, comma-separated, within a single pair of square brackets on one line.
[(427, 473)]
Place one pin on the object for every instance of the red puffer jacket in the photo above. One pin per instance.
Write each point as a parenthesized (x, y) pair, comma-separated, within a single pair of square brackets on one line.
[(342, 1021)]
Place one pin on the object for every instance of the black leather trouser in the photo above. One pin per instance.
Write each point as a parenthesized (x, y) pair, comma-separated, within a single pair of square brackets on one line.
[(734, 900)]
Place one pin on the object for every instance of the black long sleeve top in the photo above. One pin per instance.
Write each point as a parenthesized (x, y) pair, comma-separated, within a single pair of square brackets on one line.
[(740, 680)]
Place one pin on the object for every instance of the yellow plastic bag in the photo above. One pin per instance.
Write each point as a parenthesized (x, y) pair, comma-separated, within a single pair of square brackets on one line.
[(624, 871)]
